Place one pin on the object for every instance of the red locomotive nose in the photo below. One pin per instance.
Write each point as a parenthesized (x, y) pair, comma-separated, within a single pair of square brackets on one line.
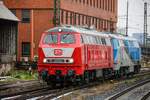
[(58, 52)]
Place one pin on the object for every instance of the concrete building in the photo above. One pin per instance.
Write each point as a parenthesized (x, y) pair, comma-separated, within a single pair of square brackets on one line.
[(36, 16)]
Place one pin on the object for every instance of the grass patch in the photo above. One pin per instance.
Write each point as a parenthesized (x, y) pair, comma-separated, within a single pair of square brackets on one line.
[(24, 75)]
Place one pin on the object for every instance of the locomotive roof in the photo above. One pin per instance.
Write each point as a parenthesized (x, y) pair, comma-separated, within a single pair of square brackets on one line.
[(85, 30), (118, 36), (82, 30)]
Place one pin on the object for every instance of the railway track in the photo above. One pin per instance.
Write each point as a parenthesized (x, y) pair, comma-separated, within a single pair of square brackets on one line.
[(146, 96), (5, 86), (29, 94), (133, 91), (23, 87), (45, 92), (70, 90)]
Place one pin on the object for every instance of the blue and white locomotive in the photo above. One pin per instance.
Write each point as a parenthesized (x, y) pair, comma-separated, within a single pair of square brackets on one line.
[(126, 54)]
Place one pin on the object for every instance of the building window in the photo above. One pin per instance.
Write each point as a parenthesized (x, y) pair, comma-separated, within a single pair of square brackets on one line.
[(79, 19), (86, 20), (113, 9), (96, 21), (100, 2), (92, 20), (83, 1), (66, 17), (62, 16), (71, 18), (98, 24), (93, 3), (111, 26), (74, 18), (89, 21), (25, 16), (105, 25), (97, 3), (90, 2), (87, 2), (110, 5), (25, 48), (103, 4), (82, 19)]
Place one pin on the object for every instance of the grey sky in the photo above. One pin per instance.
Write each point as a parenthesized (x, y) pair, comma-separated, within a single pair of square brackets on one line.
[(136, 16)]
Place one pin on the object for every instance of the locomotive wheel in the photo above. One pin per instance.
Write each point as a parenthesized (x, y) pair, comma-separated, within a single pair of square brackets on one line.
[(107, 73), (92, 75), (79, 80), (126, 72), (117, 74), (86, 77), (137, 69)]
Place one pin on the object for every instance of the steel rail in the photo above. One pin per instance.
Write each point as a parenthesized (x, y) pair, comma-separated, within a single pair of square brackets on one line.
[(117, 95), (146, 96), (45, 91)]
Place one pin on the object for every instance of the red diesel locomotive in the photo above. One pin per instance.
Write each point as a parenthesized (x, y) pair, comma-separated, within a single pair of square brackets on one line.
[(73, 54)]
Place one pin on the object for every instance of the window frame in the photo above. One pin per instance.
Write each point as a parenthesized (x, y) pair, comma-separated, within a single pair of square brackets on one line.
[(103, 41), (47, 35), (25, 16), (24, 49), (67, 39)]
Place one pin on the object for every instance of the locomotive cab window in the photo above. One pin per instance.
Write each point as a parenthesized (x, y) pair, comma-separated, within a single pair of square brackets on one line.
[(108, 42), (97, 40), (121, 43), (67, 38), (81, 39), (85, 38), (136, 44), (126, 43), (103, 41), (131, 44), (115, 43), (50, 38)]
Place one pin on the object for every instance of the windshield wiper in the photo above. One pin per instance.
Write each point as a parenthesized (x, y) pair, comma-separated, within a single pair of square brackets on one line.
[(66, 35)]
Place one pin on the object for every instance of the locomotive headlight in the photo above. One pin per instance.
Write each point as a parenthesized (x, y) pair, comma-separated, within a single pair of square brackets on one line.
[(44, 60), (71, 60), (60, 30)]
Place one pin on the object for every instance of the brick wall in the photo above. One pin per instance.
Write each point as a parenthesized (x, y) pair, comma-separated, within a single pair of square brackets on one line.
[(101, 13)]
